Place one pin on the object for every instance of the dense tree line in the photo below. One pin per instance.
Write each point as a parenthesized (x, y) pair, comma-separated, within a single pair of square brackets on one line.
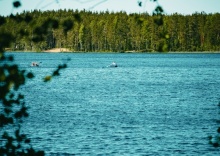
[(105, 31)]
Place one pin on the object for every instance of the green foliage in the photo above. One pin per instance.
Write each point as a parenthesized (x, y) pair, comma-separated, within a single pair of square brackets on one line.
[(104, 31), (215, 140), (16, 4), (13, 109), (55, 73), (2, 20), (67, 25)]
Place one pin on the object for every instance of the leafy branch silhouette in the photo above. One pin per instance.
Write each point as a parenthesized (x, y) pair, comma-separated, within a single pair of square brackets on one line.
[(14, 109)]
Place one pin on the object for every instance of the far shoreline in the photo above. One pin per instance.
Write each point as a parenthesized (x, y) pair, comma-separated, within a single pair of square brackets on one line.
[(66, 50)]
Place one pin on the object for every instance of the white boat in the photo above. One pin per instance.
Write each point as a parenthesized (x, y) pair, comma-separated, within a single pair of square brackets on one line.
[(113, 64)]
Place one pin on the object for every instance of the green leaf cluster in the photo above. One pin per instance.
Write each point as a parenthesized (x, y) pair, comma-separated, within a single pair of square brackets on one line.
[(13, 109)]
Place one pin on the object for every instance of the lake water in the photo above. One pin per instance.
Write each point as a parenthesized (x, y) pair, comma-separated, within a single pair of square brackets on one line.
[(151, 104)]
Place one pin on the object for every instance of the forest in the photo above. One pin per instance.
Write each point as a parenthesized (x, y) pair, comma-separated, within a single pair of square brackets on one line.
[(86, 31)]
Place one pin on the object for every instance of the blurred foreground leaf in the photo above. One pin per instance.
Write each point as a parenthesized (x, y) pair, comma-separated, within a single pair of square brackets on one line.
[(16, 4)]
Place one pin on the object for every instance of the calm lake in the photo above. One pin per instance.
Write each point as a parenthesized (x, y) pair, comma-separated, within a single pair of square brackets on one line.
[(151, 104)]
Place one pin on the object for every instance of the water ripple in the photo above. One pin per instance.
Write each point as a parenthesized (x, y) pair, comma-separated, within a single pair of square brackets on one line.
[(152, 104)]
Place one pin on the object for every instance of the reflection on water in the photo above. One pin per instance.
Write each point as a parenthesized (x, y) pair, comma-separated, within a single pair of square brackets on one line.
[(151, 104)]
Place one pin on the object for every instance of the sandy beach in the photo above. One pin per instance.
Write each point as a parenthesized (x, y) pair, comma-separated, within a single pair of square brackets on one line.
[(57, 50)]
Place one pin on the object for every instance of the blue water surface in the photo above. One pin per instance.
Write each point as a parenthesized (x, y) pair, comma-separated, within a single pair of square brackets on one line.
[(151, 104)]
